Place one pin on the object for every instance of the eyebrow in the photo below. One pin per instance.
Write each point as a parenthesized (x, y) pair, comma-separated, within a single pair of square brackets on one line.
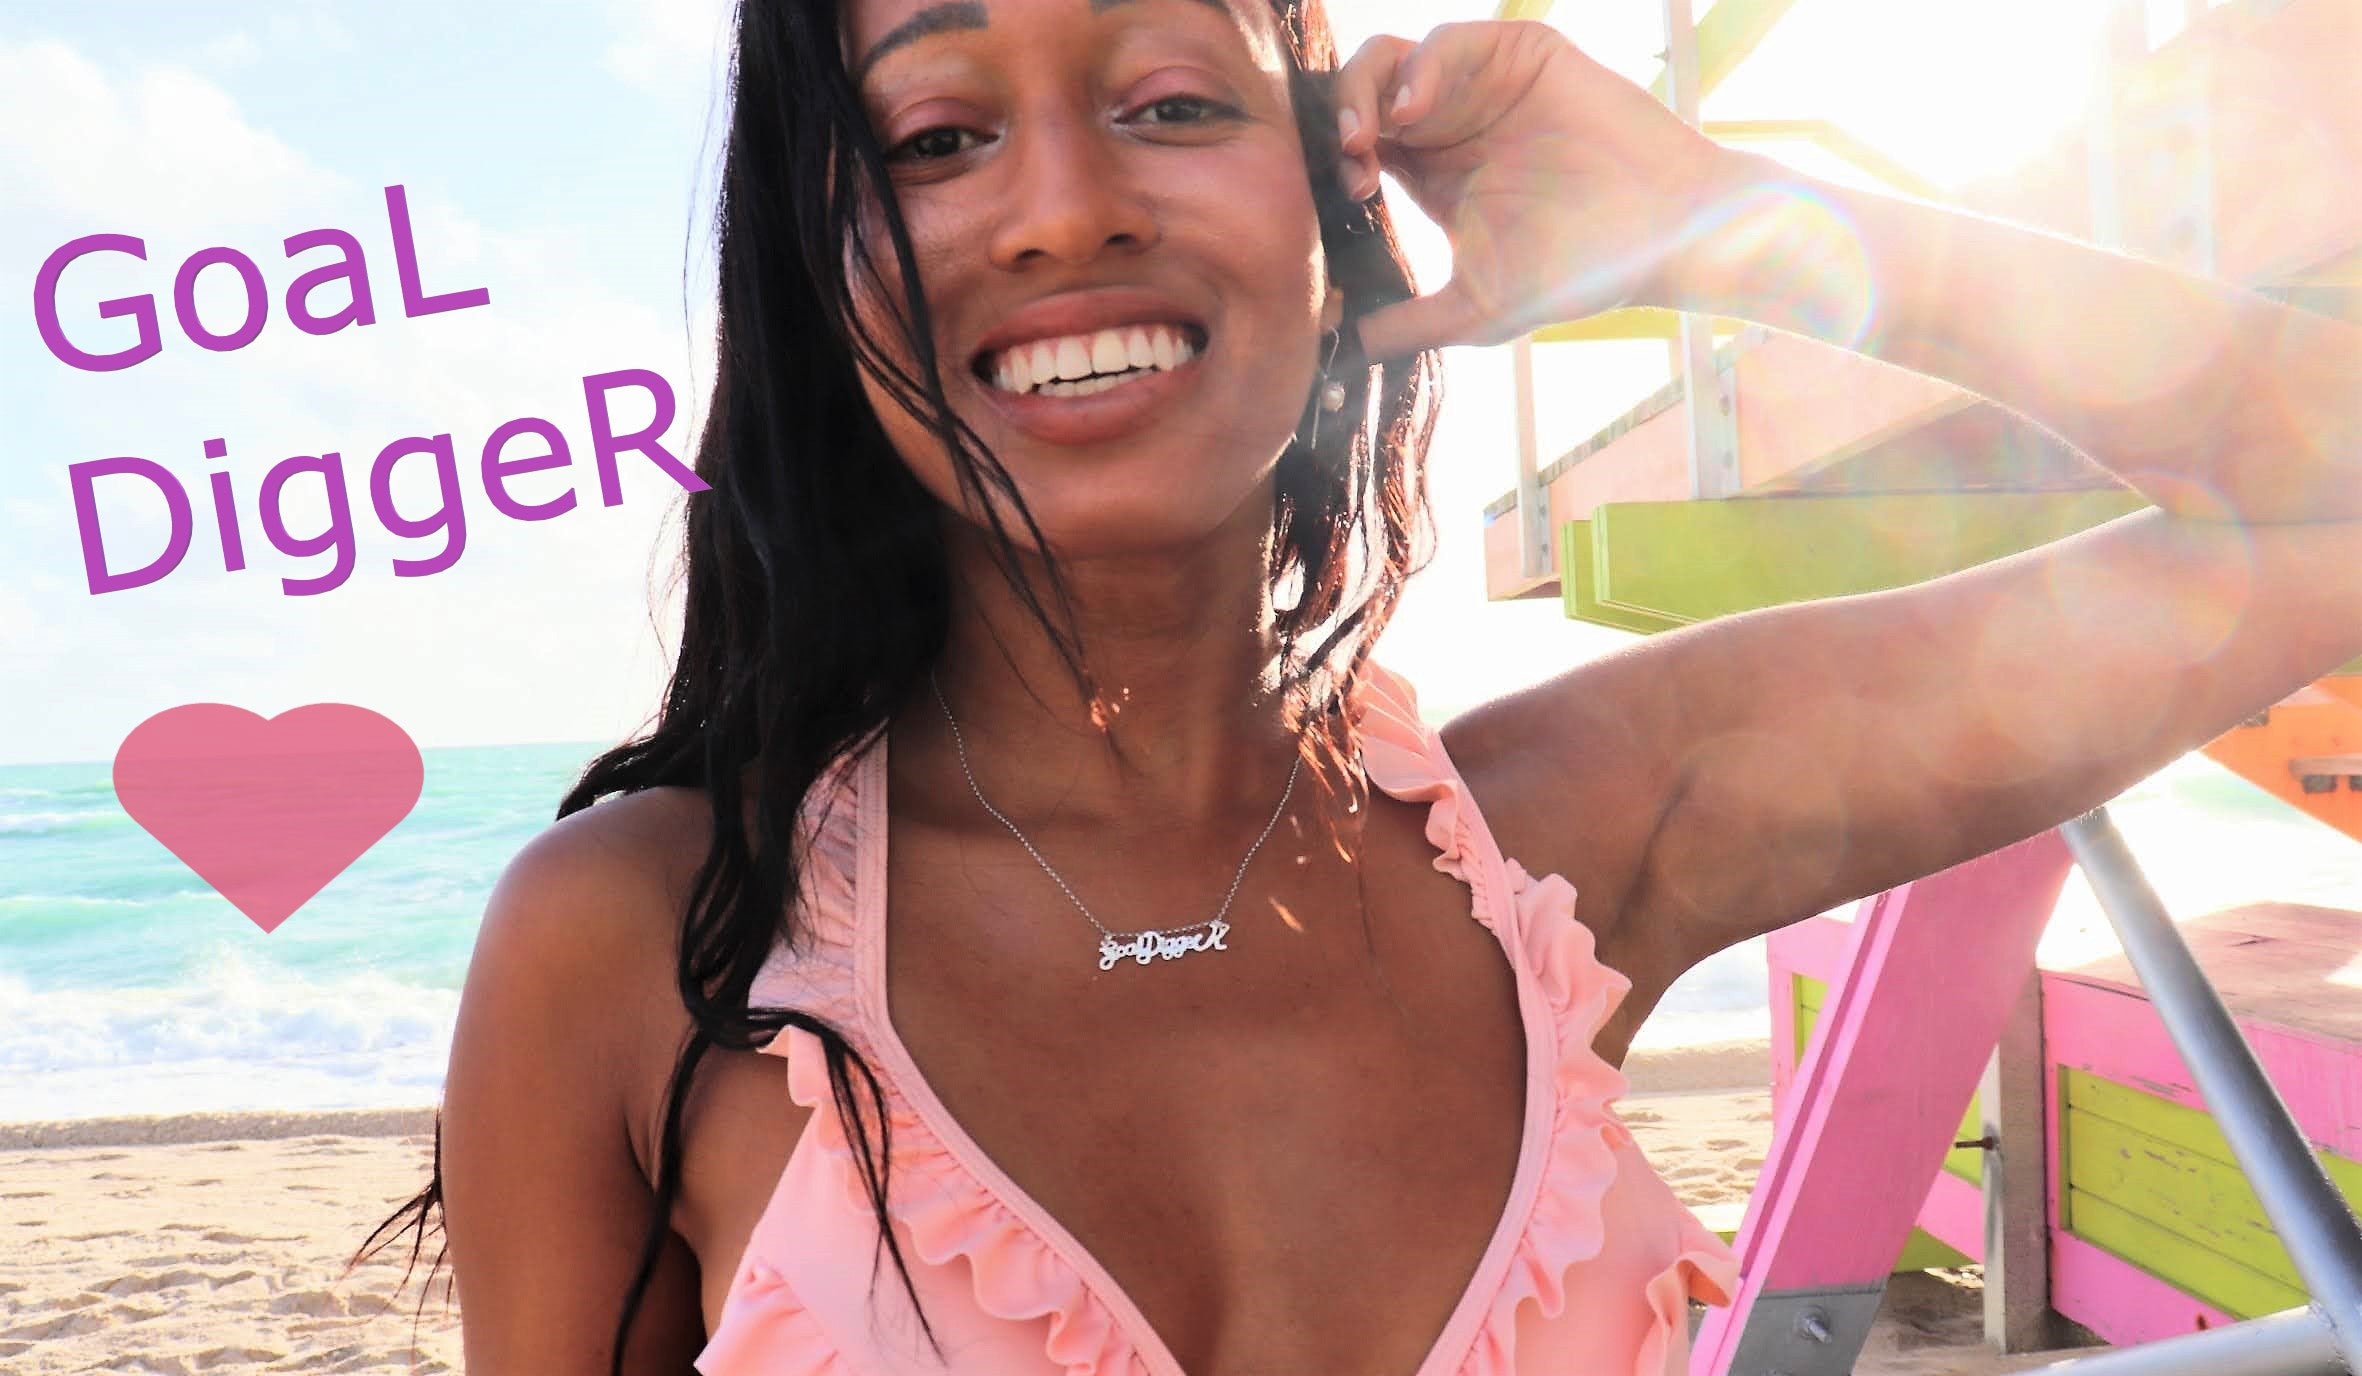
[(954, 16)]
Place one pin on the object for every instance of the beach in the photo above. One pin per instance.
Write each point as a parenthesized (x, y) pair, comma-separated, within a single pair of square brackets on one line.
[(216, 1243)]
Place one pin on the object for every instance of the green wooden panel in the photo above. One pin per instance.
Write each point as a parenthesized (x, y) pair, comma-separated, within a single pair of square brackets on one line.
[(1925, 1252), (2136, 1154), (2202, 1201), (1630, 322), (1810, 995), (1681, 562), (2176, 1260), (2183, 1127), (1968, 1163), (1578, 583)]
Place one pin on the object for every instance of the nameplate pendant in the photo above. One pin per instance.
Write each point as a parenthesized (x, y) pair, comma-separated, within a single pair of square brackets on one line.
[(1147, 948)]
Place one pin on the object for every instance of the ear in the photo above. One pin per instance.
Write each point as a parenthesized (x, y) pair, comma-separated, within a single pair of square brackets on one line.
[(1332, 310)]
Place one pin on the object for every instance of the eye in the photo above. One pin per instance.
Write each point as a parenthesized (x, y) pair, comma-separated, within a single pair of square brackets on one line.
[(932, 145), (1182, 110)]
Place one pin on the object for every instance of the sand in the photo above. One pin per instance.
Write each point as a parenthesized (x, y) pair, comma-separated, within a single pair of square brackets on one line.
[(217, 1243)]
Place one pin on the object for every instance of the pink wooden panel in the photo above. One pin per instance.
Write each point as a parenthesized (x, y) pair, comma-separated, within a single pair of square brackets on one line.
[(1955, 1214), (2118, 1301), (1816, 948), (1931, 973), (2113, 1032), (1648, 463)]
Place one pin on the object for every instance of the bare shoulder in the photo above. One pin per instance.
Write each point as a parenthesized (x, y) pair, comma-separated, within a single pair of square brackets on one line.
[(587, 916), (569, 1014), (609, 858)]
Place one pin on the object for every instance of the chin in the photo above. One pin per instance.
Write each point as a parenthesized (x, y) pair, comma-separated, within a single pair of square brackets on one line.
[(1102, 516)]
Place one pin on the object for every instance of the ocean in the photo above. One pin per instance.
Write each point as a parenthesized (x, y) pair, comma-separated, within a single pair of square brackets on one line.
[(127, 986)]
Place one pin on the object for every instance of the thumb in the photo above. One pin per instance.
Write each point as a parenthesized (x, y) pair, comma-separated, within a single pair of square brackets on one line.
[(1440, 318)]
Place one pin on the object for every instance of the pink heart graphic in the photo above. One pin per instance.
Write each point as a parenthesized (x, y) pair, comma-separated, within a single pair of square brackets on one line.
[(268, 811)]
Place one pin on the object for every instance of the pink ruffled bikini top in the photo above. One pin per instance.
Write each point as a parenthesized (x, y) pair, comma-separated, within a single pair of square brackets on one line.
[(1589, 1270)]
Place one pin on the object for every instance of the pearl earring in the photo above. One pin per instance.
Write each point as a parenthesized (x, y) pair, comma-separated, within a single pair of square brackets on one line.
[(1331, 393)]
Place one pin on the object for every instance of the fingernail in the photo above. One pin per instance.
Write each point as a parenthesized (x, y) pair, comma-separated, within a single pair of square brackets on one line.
[(1348, 124), (1402, 100)]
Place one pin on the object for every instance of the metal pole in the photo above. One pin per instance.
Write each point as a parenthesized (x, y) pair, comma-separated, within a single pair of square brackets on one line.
[(1535, 557), (2294, 1343), (2306, 1210)]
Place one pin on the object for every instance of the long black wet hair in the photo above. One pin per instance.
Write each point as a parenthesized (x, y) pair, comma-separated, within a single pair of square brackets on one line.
[(818, 590)]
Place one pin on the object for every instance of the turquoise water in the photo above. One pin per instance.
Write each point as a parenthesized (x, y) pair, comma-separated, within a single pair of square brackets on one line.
[(127, 986)]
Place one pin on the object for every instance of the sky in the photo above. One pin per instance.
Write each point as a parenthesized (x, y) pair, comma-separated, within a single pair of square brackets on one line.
[(559, 156)]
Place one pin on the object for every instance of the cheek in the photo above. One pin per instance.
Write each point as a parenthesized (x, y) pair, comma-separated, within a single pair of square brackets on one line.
[(880, 309)]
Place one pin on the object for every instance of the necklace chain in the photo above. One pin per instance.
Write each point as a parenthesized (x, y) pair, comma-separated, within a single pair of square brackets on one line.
[(1147, 946)]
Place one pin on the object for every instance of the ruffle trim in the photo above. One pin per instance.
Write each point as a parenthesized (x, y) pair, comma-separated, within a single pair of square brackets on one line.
[(1565, 1227), (950, 1216), (1704, 1271), (765, 1329), (1406, 757)]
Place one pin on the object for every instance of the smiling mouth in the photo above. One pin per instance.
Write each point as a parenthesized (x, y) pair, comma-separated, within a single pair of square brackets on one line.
[(1081, 365)]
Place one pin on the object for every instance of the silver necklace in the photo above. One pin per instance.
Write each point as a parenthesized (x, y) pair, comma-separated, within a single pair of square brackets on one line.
[(1141, 947)]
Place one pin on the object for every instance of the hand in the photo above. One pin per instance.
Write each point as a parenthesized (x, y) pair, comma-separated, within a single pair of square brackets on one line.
[(1562, 187)]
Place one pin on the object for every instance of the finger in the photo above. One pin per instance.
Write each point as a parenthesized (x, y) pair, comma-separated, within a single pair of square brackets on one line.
[(1363, 85), (1433, 321), (1450, 84)]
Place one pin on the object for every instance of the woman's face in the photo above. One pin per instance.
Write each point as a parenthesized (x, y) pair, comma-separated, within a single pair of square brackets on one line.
[(1115, 231)]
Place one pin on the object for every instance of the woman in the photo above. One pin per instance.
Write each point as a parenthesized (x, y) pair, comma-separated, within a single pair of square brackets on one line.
[(1044, 450)]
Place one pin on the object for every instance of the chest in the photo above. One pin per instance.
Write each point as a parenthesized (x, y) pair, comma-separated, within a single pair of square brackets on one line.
[(1289, 1153)]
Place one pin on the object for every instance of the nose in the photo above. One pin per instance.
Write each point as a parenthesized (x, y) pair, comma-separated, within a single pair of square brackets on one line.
[(1072, 194)]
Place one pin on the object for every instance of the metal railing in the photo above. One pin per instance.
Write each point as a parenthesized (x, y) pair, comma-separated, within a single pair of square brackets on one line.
[(2323, 1240)]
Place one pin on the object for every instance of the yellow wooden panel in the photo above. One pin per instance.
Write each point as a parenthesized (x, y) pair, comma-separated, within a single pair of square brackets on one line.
[(2203, 1201), (1629, 322), (2176, 1260), (2187, 1128), (2133, 1155)]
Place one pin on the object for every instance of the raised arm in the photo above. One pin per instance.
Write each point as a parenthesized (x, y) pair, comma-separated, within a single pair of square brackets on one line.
[(1832, 749), (1737, 775)]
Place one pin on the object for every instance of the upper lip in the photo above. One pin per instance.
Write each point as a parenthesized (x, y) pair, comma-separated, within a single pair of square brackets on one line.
[(1084, 312)]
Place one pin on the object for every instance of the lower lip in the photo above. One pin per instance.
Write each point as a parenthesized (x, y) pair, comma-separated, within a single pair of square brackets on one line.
[(1098, 418)]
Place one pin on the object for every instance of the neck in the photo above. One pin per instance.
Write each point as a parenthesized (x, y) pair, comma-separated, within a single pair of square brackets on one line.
[(1185, 725)]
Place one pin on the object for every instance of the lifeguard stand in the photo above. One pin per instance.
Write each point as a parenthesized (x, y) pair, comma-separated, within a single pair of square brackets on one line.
[(1773, 468)]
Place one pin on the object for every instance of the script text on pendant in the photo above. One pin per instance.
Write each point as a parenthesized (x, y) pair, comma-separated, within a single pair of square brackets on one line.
[(1149, 947)]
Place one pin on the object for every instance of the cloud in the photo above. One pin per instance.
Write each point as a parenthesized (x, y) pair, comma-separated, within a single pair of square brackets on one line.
[(540, 632), (670, 45), (95, 151), (228, 52)]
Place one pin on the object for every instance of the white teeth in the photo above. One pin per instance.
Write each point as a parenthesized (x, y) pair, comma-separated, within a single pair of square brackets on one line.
[(1083, 365), (1107, 352)]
